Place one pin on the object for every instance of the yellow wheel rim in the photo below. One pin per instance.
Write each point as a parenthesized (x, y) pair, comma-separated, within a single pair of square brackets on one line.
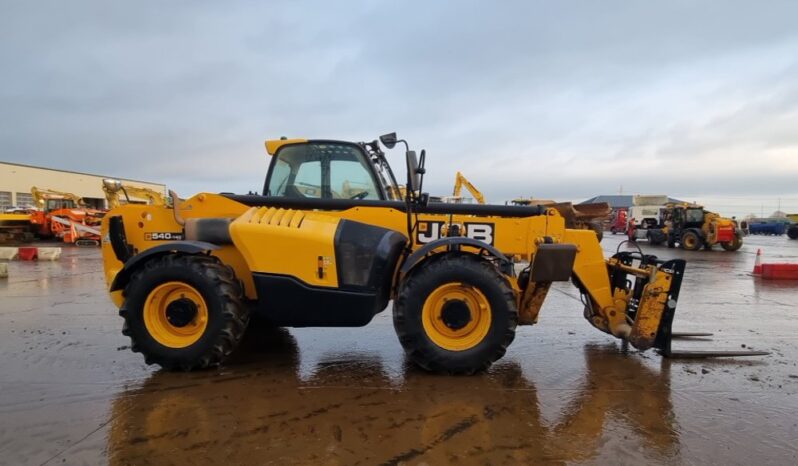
[(456, 316), (690, 241), (175, 314)]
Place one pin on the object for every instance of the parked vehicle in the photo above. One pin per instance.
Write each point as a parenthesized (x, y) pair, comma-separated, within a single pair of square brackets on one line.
[(687, 225), (618, 223), (767, 228)]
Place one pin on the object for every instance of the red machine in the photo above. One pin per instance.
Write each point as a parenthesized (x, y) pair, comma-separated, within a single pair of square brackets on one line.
[(618, 224)]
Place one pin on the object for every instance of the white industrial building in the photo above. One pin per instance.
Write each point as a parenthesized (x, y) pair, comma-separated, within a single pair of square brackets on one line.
[(16, 181)]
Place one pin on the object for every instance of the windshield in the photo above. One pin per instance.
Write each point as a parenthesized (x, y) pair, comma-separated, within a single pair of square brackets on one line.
[(56, 204), (694, 215), (322, 171)]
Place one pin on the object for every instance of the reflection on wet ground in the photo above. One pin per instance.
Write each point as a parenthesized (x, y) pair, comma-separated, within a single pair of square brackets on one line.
[(71, 391), (356, 413)]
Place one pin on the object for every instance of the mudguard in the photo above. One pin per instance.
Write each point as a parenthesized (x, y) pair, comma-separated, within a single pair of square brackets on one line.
[(418, 254), (184, 247)]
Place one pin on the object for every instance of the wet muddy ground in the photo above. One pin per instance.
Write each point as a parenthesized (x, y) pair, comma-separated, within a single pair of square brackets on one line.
[(71, 391)]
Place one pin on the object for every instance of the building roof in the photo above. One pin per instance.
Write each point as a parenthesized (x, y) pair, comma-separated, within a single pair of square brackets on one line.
[(78, 173), (618, 201)]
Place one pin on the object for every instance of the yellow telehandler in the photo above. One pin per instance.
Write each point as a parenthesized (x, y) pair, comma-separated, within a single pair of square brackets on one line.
[(325, 245)]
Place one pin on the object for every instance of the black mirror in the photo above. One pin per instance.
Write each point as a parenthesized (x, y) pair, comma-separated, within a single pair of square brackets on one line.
[(413, 176), (388, 140)]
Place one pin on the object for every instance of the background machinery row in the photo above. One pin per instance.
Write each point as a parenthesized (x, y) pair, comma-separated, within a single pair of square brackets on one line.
[(67, 217)]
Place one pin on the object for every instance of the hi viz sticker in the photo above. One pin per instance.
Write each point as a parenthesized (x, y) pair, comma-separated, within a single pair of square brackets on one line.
[(430, 231)]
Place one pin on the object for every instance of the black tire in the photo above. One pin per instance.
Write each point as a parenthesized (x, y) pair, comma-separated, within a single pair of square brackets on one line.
[(449, 268), (227, 314), (652, 240), (792, 232), (598, 228), (732, 245), (613, 230), (691, 241)]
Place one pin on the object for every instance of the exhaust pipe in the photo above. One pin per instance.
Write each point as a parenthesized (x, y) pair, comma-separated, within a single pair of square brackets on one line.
[(175, 200)]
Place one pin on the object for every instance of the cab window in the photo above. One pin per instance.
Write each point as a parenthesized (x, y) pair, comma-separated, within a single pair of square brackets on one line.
[(322, 171), (308, 179), (56, 204), (695, 215), (352, 180), (280, 173)]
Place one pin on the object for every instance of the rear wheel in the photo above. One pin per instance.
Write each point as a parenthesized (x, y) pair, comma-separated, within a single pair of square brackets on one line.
[(455, 314), (733, 245), (598, 228), (184, 311), (792, 232), (691, 241)]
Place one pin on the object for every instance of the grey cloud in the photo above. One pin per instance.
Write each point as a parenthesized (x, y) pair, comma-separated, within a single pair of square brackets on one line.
[(556, 99)]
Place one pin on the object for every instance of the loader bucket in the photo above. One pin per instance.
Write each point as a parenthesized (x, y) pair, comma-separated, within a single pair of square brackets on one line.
[(582, 213)]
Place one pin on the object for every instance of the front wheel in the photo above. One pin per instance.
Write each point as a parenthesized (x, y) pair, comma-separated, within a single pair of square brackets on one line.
[(653, 239), (184, 311), (732, 245), (456, 314)]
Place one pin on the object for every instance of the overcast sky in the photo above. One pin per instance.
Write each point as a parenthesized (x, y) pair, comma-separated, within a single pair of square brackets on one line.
[(560, 99)]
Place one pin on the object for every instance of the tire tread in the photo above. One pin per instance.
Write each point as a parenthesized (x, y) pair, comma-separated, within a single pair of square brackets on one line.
[(410, 337), (235, 313)]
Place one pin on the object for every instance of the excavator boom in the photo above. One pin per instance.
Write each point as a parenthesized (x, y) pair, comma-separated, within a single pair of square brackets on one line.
[(41, 195), (113, 189), (459, 181)]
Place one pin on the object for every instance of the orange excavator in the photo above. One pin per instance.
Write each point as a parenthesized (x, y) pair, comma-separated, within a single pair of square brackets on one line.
[(65, 216)]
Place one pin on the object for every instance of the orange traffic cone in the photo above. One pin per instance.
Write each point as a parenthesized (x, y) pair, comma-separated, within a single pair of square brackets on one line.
[(758, 263)]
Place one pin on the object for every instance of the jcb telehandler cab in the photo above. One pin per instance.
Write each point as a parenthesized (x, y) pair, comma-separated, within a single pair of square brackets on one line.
[(330, 243)]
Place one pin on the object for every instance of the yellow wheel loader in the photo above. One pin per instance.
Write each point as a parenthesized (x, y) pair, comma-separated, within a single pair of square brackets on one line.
[(328, 244)]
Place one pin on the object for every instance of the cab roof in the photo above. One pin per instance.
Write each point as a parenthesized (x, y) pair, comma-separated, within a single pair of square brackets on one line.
[(273, 145)]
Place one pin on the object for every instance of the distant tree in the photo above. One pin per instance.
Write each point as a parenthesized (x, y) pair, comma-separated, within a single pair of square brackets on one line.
[(778, 214)]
